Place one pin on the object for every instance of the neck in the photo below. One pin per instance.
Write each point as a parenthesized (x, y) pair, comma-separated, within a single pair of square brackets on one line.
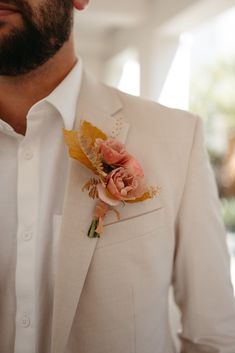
[(19, 94)]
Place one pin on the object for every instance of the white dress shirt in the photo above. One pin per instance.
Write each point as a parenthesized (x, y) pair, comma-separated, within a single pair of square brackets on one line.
[(32, 183)]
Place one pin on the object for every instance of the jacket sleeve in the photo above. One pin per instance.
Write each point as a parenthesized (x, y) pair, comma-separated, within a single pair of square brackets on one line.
[(201, 277)]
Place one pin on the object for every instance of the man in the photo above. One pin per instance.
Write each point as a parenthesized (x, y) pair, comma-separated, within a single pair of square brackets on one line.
[(60, 291)]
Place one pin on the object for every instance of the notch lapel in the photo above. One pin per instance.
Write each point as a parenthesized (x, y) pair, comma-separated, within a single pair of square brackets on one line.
[(101, 107)]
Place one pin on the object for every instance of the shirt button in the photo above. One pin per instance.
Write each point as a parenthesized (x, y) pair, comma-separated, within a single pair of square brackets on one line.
[(27, 235), (25, 322), (28, 154)]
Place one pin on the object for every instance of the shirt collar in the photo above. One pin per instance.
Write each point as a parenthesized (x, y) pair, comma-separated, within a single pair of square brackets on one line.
[(64, 97)]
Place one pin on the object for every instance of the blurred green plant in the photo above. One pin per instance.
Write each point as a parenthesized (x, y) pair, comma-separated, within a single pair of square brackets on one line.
[(228, 209), (212, 91), (215, 158)]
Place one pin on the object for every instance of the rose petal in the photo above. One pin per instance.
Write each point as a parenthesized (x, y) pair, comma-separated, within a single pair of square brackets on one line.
[(112, 151), (103, 196), (125, 186), (134, 167)]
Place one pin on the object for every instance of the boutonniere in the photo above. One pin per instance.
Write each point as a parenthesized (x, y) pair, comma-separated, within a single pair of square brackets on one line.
[(118, 176)]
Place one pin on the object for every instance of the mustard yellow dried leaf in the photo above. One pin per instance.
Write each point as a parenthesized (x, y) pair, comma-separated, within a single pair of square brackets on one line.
[(75, 151), (91, 132), (144, 197), (88, 133), (92, 154), (152, 192)]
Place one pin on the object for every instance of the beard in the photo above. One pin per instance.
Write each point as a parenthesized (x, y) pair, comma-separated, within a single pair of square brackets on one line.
[(40, 38)]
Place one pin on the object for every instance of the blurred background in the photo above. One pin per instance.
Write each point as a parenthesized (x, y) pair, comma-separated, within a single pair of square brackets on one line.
[(181, 54)]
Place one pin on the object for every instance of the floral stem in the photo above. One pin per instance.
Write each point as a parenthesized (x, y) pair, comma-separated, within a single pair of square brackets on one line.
[(92, 230)]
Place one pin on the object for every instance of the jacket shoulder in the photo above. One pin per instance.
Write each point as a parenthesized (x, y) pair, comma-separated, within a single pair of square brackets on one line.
[(155, 117)]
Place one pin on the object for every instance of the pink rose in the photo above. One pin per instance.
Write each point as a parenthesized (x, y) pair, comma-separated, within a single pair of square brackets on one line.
[(105, 197), (122, 185), (112, 151), (133, 167)]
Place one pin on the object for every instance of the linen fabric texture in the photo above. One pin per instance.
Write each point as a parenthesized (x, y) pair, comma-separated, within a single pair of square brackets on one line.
[(110, 295)]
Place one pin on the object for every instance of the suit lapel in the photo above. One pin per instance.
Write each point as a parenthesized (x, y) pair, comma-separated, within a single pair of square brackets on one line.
[(101, 107)]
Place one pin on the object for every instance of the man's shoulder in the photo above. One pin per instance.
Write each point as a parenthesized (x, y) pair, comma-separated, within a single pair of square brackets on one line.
[(145, 115), (142, 112)]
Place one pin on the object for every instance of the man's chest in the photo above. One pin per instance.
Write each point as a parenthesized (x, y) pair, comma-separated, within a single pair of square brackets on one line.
[(32, 183)]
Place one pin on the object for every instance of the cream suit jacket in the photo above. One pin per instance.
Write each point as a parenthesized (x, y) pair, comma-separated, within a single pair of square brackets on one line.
[(111, 294)]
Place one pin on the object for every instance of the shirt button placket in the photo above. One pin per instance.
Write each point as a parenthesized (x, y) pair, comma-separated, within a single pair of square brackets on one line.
[(27, 154), (25, 321), (27, 235), (27, 207)]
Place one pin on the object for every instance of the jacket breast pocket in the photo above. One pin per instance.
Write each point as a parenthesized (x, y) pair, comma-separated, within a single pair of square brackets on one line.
[(133, 227)]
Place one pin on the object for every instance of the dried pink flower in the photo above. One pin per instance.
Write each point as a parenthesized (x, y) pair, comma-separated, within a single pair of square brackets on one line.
[(112, 151), (122, 185)]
